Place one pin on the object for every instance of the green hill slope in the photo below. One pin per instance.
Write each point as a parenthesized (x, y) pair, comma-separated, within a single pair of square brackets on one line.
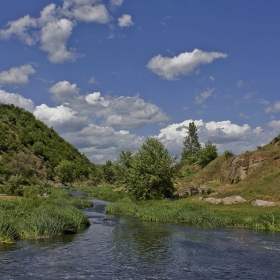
[(33, 153), (252, 175)]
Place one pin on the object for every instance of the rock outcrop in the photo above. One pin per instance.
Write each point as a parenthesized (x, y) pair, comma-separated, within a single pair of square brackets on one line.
[(263, 203), (240, 166), (191, 190), (227, 200)]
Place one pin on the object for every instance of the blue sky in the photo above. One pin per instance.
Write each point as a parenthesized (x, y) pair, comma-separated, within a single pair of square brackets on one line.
[(107, 74)]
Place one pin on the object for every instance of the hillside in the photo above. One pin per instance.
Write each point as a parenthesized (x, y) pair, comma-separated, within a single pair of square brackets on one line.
[(34, 154), (252, 175)]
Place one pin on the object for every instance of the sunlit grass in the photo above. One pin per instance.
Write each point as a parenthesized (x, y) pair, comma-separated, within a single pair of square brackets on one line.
[(107, 193), (22, 218), (200, 215)]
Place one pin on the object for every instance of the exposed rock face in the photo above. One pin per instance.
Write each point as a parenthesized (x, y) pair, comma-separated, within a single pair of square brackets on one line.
[(227, 200), (240, 166), (263, 203), (191, 190)]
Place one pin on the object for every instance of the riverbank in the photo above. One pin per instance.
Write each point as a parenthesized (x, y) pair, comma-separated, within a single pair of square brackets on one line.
[(34, 216), (190, 212)]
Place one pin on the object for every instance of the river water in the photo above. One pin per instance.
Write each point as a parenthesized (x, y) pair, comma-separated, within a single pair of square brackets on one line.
[(127, 248)]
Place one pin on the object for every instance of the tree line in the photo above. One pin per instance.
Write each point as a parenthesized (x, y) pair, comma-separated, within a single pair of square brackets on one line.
[(150, 173)]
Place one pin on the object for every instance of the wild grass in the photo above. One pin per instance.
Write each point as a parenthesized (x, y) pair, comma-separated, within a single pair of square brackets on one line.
[(37, 217), (189, 212), (199, 215), (108, 193)]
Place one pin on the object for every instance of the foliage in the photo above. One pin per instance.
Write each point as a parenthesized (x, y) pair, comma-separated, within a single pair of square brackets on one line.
[(66, 171), (191, 145), (30, 149), (122, 167), (14, 185), (108, 172), (277, 138), (207, 154), (151, 172), (228, 154), (193, 153)]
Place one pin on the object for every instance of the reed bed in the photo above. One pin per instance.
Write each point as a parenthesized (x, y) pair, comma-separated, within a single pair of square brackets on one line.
[(38, 217)]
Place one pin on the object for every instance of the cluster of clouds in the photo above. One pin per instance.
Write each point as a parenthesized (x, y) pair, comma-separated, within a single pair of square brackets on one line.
[(17, 76), (99, 125), (55, 25)]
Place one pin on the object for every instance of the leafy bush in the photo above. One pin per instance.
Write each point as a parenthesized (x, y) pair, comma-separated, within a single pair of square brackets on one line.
[(277, 138), (207, 154), (228, 154), (66, 171)]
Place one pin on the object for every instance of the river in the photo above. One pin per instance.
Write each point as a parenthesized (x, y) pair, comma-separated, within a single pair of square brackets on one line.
[(127, 248)]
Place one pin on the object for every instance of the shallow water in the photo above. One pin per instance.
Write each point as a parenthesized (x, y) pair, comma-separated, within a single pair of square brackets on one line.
[(127, 248)]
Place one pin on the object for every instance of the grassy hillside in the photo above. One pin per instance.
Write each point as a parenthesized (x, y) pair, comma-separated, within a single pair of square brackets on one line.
[(262, 182), (32, 153)]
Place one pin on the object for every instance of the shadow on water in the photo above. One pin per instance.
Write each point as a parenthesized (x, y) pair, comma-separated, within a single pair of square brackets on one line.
[(140, 242)]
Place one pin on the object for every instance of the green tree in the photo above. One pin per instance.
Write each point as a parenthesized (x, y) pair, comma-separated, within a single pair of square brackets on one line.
[(66, 171), (122, 167), (207, 154), (152, 171), (108, 172), (191, 145)]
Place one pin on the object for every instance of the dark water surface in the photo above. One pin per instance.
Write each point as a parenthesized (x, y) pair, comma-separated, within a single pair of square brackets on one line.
[(127, 248)]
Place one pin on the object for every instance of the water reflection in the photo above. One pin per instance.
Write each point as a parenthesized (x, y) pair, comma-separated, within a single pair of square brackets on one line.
[(141, 241), (127, 248)]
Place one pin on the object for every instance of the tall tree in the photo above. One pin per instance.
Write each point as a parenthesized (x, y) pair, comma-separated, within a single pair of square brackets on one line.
[(191, 144), (152, 171)]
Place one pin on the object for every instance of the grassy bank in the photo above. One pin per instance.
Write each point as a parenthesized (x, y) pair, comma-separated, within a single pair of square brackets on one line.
[(107, 193), (36, 217), (190, 212), (200, 215)]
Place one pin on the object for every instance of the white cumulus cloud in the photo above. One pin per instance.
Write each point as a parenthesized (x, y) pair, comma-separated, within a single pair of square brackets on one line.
[(118, 112), (64, 92), (20, 29), (183, 64), (125, 21), (54, 27), (225, 134), (101, 143), (54, 38), (16, 99), (132, 112), (61, 118), (17, 76)]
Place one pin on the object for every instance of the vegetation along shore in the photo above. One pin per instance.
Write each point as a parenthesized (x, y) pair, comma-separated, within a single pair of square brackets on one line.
[(37, 167)]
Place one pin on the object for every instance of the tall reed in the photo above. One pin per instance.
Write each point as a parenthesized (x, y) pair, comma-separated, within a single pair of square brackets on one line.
[(41, 217)]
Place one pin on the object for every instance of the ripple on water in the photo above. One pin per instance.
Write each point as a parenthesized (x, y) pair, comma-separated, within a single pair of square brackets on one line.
[(127, 248)]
